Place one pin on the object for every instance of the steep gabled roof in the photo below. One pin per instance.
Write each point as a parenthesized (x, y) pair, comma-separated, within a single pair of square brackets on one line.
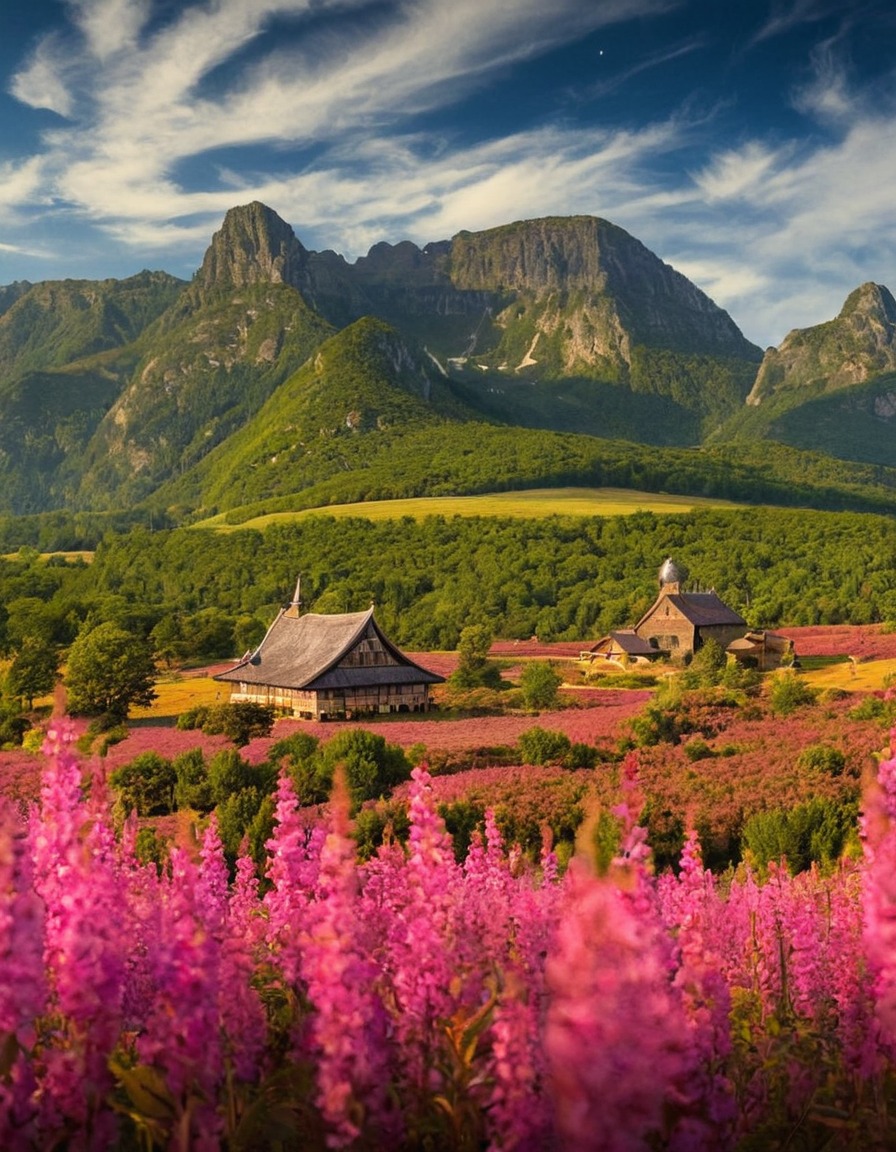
[(303, 651), (702, 609)]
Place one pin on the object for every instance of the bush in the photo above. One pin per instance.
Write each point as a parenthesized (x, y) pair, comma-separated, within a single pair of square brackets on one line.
[(822, 758), (787, 692), (539, 684), (543, 746), (248, 813), (239, 722), (193, 788), (372, 767), (818, 831), (580, 755), (659, 723), (474, 669), (193, 718), (228, 773), (146, 785), (697, 749)]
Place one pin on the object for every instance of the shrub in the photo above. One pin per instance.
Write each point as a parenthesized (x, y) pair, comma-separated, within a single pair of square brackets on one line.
[(822, 758), (193, 718), (193, 788), (580, 755), (239, 722), (787, 692), (228, 772), (372, 767), (241, 813), (146, 785), (697, 749), (817, 831), (474, 669), (151, 848), (543, 746), (539, 684), (658, 724)]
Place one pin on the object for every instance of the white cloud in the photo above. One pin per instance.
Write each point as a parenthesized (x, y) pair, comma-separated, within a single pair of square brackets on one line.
[(110, 26), (41, 84), (761, 225)]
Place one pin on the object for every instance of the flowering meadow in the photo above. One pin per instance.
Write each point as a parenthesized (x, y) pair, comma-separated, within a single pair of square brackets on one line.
[(419, 1002)]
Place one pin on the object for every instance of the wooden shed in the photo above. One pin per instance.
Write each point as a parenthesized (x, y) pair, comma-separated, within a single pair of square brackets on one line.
[(762, 650), (328, 667), (624, 646), (680, 622)]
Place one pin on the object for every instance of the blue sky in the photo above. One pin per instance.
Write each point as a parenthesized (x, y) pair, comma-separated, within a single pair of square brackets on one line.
[(751, 144)]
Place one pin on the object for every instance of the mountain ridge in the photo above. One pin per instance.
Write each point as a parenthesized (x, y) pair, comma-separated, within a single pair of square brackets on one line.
[(561, 323)]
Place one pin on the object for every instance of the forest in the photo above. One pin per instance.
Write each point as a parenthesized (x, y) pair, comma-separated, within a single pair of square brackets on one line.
[(210, 594)]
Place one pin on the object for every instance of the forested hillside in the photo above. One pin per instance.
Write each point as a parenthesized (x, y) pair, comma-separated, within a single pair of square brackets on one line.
[(559, 578)]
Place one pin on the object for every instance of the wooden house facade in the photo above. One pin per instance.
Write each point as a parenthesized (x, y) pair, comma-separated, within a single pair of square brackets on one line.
[(680, 622), (328, 667)]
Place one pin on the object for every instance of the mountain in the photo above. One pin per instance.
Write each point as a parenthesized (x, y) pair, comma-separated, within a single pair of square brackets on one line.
[(278, 370), (360, 394), (831, 387), (849, 350), (67, 348)]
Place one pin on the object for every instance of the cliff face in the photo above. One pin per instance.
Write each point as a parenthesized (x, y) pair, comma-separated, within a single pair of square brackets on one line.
[(590, 258), (859, 344), (253, 246)]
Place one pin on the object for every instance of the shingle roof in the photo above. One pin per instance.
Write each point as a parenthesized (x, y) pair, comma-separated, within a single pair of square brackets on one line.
[(705, 608), (302, 651), (702, 609)]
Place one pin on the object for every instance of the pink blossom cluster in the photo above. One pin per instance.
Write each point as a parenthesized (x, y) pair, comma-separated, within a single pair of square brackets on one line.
[(417, 1001)]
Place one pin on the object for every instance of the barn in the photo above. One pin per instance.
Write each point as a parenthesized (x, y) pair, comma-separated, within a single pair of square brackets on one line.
[(680, 622), (329, 667)]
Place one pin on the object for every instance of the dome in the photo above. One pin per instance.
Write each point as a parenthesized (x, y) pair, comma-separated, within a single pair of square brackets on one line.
[(671, 573)]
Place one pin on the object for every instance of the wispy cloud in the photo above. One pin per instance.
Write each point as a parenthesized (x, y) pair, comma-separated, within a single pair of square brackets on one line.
[(170, 115)]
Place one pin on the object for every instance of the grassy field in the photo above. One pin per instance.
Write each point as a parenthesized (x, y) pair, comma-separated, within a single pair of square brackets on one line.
[(534, 503), (853, 676)]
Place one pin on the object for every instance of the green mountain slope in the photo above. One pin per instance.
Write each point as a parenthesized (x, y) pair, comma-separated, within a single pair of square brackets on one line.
[(58, 322), (206, 367), (830, 388), (351, 403)]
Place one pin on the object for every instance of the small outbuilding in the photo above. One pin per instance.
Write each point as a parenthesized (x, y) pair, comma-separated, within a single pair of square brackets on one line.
[(329, 667), (624, 646), (680, 622), (762, 650)]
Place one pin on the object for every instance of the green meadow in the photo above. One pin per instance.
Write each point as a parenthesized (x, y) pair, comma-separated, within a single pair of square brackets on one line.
[(535, 503)]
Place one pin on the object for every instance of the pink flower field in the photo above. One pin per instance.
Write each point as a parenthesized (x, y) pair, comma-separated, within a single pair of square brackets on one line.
[(416, 1001)]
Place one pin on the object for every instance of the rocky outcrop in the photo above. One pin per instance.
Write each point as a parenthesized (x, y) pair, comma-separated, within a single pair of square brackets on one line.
[(851, 349), (590, 257), (253, 246)]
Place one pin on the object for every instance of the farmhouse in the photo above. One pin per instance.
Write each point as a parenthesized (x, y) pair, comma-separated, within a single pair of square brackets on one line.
[(680, 622), (329, 667)]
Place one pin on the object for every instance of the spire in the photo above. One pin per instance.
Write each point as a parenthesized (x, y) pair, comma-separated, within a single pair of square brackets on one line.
[(296, 601)]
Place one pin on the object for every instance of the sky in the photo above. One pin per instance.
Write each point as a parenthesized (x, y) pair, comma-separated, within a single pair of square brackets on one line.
[(751, 144)]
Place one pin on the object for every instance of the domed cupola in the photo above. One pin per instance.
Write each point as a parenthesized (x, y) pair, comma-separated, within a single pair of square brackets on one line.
[(671, 573)]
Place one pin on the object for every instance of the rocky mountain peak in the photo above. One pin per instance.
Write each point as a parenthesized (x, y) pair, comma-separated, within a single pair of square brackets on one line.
[(590, 256), (253, 246), (873, 302), (858, 344)]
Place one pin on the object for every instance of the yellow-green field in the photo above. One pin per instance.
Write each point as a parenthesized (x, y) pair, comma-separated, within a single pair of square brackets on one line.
[(529, 504), (863, 676), (177, 694)]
